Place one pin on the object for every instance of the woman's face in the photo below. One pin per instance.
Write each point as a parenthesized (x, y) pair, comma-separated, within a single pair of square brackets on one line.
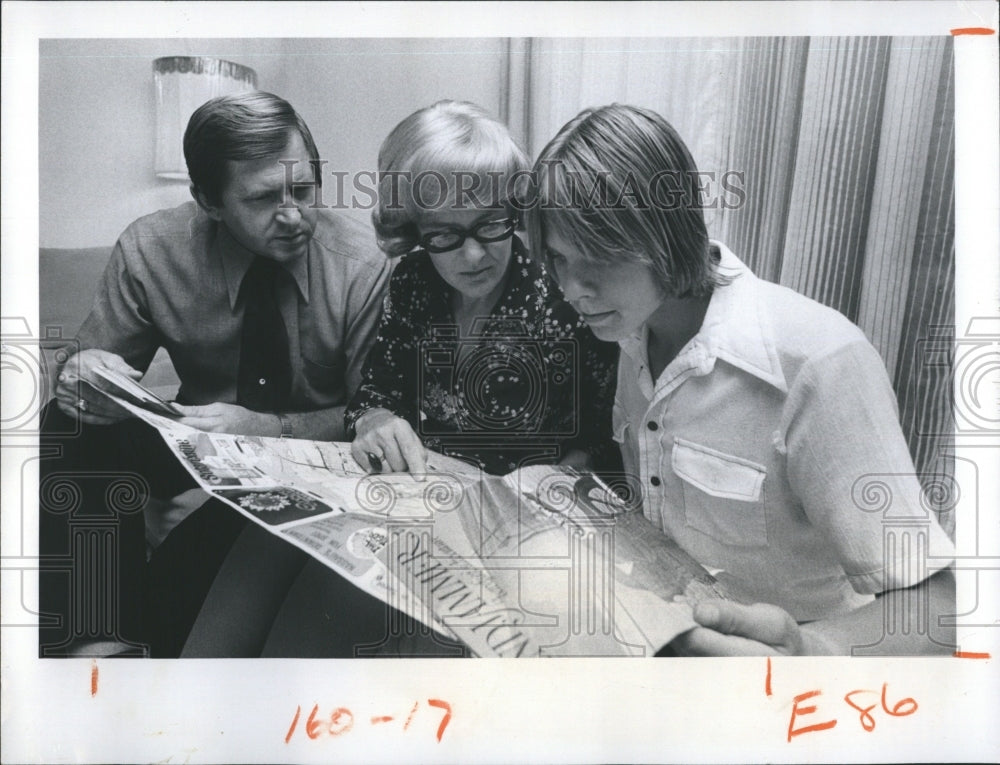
[(614, 298), (474, 269)]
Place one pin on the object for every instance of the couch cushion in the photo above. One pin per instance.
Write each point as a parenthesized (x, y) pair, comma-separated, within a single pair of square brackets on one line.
[(67, 283)]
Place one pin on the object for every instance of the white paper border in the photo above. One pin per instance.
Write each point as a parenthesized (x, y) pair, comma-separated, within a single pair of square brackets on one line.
[(565, 710)]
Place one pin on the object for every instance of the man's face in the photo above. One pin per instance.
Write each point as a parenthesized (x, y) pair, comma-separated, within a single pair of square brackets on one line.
[(263, 211), (614, 298)]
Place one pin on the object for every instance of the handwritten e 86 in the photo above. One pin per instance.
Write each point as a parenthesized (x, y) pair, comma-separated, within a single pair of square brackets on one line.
[(865, 703)]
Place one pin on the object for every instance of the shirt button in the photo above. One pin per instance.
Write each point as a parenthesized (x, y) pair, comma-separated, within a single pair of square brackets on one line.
[(652, 425), (654, 480), (262, 381)]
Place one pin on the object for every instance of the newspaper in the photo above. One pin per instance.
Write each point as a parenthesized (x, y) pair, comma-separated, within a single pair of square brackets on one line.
[(544, 561)]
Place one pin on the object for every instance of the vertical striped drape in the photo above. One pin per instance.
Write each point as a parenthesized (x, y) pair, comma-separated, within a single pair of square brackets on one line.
[(846, 146)]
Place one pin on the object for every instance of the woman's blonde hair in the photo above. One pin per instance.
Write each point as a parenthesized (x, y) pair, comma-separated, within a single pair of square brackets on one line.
[(450, 154)]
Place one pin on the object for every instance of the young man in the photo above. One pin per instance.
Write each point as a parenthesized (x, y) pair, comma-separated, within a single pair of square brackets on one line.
[(266, 302), (748, 415)]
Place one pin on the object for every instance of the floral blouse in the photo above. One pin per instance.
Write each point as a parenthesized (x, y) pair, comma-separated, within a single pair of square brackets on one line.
[(530, 384)]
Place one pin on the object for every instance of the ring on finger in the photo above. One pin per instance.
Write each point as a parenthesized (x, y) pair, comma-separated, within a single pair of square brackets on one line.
[(374, 461), (82, 405)]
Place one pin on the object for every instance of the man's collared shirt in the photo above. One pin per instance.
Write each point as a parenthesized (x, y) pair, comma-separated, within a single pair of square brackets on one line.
[(174, 279), (770, 448)]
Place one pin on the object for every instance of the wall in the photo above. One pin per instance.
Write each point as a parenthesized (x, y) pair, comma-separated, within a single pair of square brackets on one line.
[(97, 113)]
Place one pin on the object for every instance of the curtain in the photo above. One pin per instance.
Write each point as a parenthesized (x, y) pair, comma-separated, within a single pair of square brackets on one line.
[(846, 145)]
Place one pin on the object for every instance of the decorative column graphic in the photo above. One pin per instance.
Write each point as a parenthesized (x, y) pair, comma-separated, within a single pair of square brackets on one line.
[(93, 551), (906, 549)]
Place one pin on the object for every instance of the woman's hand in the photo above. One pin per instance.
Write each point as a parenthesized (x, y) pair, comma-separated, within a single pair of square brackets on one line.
[(578, 459), (733, 629), (391, 440)]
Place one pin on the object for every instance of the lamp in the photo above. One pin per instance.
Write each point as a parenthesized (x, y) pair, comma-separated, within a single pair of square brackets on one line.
[(183, 83)]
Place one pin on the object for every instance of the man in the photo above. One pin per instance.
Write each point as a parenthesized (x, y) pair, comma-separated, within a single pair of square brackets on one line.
[(266, 303)]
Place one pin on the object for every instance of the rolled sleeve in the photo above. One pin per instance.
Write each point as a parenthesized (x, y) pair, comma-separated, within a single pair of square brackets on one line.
[(849, 464)]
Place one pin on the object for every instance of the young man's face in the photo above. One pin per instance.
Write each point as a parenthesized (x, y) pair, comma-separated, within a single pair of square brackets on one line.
[(263, 211), (614, 298)]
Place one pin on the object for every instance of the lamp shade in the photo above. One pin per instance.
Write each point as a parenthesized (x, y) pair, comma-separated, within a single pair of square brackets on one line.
[(183, 83)]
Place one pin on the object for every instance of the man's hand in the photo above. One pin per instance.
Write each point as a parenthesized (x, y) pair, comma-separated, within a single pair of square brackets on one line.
[(230, 418), (391, 440), (78, 400), (733, 629)]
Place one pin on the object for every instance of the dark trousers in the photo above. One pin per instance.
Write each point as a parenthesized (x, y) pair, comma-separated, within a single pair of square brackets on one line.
[(94, 584)]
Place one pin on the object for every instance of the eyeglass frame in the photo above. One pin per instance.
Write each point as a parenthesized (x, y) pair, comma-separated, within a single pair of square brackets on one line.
[(512, 221)]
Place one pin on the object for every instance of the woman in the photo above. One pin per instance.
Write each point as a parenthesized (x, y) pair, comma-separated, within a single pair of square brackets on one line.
[(477, 356)]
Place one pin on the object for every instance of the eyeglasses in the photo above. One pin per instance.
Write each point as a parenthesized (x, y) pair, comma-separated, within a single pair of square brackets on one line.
[(485, 233)]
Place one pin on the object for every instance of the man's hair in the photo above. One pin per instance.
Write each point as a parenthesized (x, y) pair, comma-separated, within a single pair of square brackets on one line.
[(239, 127), (618, 183), (456, 142)]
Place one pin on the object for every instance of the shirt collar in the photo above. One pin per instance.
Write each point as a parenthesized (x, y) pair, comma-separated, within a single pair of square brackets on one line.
[(734, 330), (236, 260)]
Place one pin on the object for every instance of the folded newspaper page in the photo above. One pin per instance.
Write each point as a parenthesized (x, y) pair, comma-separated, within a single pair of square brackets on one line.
[(544, 561), (134, 392)]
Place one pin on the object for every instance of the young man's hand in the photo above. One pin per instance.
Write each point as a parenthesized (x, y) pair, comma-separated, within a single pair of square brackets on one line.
[(732, 629), (77, 399)]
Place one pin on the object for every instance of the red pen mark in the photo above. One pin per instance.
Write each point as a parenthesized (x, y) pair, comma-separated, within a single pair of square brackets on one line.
[(970, 655), (341, 721), (447, 714), (867, 721), (903, 707), (797, 711), (295, 721), (410, 718), (767, 678), (312, 724), (973, 31), (93, 678)]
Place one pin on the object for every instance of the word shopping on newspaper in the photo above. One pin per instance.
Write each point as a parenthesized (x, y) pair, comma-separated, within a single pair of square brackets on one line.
[(544, 561)]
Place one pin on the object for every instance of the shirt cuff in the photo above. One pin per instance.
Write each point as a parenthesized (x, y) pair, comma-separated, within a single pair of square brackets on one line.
[(910, 557)]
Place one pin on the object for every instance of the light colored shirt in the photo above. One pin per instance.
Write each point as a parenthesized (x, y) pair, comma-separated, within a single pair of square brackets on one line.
[(770, 448), (173, 281)]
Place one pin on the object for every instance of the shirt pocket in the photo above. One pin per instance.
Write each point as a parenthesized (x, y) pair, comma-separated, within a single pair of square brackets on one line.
[(723, 494), (324, 378)]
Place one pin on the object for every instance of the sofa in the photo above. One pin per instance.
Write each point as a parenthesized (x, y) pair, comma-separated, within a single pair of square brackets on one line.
[(67, 283)]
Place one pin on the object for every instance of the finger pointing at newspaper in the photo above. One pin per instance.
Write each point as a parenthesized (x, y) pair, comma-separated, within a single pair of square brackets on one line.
[(387, 443), (76, 383)]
